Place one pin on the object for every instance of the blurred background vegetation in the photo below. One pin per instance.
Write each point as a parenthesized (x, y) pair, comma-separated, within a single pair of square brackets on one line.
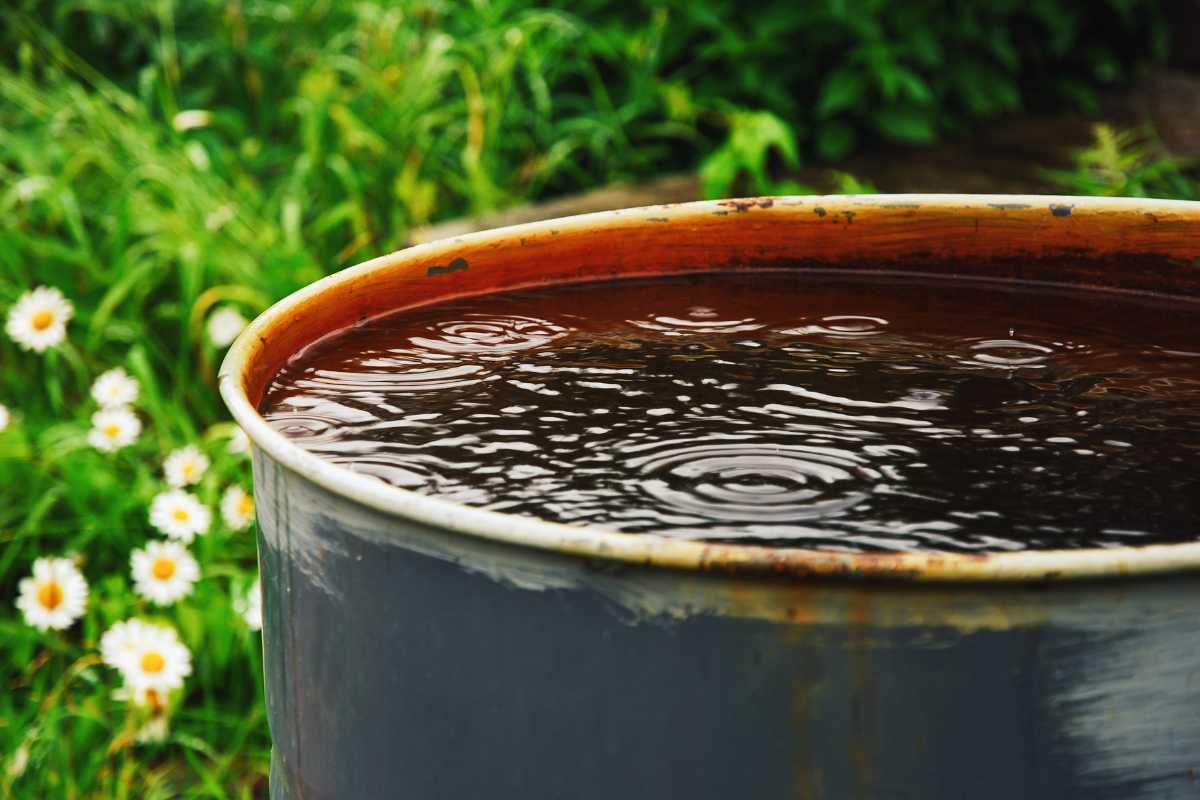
[(159, 158)]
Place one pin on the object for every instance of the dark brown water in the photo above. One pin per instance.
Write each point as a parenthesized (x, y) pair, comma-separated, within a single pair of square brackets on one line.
[(806, 411)]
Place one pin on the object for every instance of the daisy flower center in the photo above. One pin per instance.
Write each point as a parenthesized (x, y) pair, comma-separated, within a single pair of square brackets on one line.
[(111, 431), (246, 505), (189, 469), (163, 568), (42, 319), (50, 595), (180, 515), (153, 662)]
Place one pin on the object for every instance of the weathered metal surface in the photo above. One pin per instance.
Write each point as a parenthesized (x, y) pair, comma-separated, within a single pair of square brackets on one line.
[(421, 649)]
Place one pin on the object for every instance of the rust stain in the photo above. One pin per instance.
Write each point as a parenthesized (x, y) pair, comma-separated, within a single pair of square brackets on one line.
[(862, 693), (807, 686), (808, 775), (457, 265), (743, 206), (820, 212), (1009, 206)]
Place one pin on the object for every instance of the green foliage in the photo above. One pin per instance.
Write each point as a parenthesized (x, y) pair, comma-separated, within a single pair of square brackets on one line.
[(753, 137), (1129, 163), (846, 183), (373, 117), (842, 74)]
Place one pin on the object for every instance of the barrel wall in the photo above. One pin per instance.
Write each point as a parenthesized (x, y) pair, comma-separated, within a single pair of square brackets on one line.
[(405, 661)]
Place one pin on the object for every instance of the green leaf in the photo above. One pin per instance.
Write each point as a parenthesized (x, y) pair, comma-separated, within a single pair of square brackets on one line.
[(906, 124), (835, 139), (753, 136), (843, 89), (985, 90), (718, 172), (912, 84)]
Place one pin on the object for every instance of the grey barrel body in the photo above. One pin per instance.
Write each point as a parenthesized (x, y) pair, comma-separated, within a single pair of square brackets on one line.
[(405, 661)]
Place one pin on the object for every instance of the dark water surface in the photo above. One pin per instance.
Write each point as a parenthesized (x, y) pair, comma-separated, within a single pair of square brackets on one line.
[(827, 411)]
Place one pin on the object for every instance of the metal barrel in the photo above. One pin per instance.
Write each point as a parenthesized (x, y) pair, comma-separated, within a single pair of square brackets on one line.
[(417, 648)]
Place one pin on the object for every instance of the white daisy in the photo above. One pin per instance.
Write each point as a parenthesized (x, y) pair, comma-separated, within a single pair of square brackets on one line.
[(237, 508), (180, 515), (185, 466), (113, 428), (163, 572), (191, 118), (224, 325), (239, 442), (55, 596), (220, 216), (156, 728), (119, 641), (114, 389), (4, 418), (19, 761), (249, 606), (31, 187), (153, 658), (39, 319)]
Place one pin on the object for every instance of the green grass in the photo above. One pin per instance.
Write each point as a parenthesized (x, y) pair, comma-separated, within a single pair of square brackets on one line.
[(326, 130)]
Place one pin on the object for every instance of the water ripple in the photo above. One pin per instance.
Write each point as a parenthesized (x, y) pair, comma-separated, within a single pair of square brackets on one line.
[(845, 325), (700, 320), (1006, 353), (753, 481), (485, 334)]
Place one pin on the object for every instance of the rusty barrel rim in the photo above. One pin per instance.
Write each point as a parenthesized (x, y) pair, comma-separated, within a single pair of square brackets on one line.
[(1182, 240)]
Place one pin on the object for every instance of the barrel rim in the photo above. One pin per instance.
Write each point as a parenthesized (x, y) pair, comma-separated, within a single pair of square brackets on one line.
[(661, 551)]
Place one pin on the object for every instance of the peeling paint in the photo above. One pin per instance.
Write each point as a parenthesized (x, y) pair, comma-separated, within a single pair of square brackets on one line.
[(1061, 210)]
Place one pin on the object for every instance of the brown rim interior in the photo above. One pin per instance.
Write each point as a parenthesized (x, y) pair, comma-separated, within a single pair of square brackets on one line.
[(1147, 246)]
